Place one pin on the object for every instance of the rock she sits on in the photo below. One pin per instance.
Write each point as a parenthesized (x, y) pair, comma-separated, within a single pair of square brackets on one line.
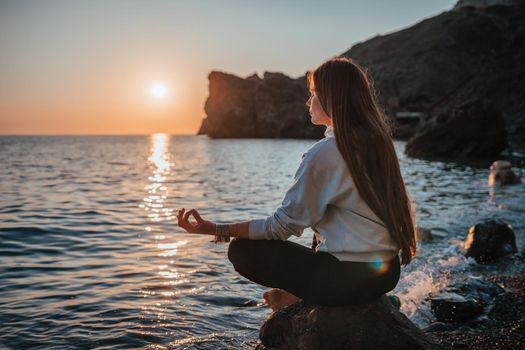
[(375, 325)]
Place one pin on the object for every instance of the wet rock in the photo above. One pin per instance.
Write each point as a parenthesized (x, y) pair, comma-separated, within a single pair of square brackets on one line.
[(424, 234), (505, 328), (464, 301), (474, 129), (501, 174), (395, 301), (460, 345), (249, 303), (489, 241), (476, 288), (481, 321), (438, 327), (376, 325), (450, 306)]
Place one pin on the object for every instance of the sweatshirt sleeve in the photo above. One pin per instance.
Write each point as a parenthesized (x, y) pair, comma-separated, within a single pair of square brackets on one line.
[(304, 204)]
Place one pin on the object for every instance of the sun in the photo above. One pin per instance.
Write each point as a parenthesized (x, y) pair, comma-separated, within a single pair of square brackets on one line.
[(158, 90)]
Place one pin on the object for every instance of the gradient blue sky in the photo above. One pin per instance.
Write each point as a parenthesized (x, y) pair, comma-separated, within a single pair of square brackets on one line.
[(86, 67)]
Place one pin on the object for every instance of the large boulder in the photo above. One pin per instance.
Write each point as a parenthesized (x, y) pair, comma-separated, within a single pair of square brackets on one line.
[(501, 174), (474, 129), (489, 241), (376, 325)]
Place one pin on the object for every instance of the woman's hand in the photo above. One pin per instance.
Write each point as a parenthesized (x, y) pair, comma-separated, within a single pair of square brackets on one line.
[(202, 226)]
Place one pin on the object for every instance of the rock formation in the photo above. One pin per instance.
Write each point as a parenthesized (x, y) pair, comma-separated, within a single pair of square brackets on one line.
[(464, 301), (454, 307), (377, 325), (474, 51), (489, 241), (501, 174), (271, 107), (475, 128), (469, 52), (424, 234)]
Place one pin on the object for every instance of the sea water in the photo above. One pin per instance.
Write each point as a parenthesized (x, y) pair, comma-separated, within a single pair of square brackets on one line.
[(91, 255)]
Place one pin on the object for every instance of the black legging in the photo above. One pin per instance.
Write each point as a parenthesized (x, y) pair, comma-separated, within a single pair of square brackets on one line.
[(316, 277)]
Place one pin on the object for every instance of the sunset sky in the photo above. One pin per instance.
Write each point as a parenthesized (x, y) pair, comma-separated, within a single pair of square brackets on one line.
[(138, 67)]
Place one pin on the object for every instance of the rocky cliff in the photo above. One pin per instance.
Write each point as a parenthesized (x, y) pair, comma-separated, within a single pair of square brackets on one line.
[(270, 107), (474, 51)]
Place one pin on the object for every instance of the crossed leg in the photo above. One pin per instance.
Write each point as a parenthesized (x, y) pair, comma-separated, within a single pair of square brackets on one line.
[(297, 272), (287, 267)]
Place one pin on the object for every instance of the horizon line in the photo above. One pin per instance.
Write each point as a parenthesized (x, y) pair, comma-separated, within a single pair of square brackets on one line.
[(146, 134)]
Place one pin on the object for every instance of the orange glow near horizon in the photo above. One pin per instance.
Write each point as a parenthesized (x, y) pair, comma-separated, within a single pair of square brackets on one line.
[(134, 105), (64, 73)]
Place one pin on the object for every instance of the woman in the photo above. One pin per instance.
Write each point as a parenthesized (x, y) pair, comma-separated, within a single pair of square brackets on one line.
[(348, 189)]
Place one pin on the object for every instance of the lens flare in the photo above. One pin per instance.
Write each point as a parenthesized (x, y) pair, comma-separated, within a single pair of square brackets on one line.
[(379, 266)]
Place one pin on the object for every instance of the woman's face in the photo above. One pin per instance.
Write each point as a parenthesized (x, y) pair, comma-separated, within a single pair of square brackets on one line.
[(319, 116)]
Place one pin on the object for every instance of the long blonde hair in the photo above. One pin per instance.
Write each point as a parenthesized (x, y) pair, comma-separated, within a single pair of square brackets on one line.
[(364, 138)]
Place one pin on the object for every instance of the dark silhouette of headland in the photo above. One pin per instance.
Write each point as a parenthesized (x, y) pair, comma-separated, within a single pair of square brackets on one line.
[(460, 69)]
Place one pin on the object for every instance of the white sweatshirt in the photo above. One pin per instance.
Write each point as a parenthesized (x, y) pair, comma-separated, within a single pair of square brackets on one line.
[(323, 197)]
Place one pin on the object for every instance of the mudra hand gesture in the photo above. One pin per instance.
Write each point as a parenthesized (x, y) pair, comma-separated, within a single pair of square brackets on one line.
[(201, 227)]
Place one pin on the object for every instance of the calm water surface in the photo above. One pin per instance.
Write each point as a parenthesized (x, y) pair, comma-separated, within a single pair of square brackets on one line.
[(91, 256)]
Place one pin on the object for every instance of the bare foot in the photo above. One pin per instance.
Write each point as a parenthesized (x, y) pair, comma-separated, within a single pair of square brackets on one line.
[(277, 298)]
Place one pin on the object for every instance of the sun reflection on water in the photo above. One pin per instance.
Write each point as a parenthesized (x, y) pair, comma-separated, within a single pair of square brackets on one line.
[(155, 204), (159, 151), (170, 249), (157, 189)]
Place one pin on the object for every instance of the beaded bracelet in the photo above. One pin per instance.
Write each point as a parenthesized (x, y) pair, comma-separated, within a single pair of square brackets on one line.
[(222, 233)]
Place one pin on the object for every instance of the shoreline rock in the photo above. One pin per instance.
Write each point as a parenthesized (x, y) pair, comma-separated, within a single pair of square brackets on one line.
[(488, 241), (449, 306), (463, 302), (506, 329), (376, 325), (501, 174)]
